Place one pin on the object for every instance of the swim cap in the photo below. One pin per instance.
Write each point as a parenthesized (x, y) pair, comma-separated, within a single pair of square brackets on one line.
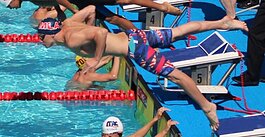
[(49, 26), (80, 62), (5, 2), (112, 125)]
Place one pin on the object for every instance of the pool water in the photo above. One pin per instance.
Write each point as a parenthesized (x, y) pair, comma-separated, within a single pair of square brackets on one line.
[(62, 118), (32, 67)]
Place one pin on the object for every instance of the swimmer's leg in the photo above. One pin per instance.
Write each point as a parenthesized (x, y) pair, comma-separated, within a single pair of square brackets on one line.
[(226, 23), (165, 7), (191, 89)]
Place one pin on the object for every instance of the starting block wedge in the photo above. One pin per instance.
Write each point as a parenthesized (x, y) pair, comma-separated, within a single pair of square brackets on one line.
[(248, 126)]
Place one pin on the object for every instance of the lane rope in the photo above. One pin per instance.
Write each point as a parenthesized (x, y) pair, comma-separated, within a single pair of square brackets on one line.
[(96, 95), (15, 38)]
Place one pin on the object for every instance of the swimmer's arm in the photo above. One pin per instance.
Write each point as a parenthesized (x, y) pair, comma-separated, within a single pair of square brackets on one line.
[(87, 15), (104, 60), (102, 77), (115, 67), (91, 33), (100, 39), (68, 5), (143, 131), (53, 13), (164, 132), (112, 75)]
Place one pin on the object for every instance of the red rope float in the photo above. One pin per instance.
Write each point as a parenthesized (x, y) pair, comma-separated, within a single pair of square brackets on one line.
[(19, 38), (96, 95)]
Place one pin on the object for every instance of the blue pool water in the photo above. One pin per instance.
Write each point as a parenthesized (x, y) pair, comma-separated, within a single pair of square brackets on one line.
[(65, 119), (32, 67)]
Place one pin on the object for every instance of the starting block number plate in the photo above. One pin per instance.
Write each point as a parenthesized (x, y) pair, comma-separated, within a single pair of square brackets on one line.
[(154, 18), (201, 76)]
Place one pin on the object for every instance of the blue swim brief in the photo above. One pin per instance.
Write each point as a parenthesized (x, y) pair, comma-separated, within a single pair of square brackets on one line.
[(141, 49)]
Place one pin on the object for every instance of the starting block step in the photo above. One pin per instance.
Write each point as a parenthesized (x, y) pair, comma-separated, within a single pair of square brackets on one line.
[(204, 89), (210, 89), (249, 126)]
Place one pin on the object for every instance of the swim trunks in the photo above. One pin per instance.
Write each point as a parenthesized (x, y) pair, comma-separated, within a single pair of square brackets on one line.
[(141, 49)]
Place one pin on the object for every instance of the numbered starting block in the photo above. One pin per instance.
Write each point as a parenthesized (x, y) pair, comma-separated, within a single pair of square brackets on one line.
[(137, 8), (212, 51), (153, 17)]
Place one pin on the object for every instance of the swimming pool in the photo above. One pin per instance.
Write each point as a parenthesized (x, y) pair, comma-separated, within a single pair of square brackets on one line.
[(32, 67)]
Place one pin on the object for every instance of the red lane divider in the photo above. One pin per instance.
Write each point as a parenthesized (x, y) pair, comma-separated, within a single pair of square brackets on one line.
[(70, 95), (19, 38)]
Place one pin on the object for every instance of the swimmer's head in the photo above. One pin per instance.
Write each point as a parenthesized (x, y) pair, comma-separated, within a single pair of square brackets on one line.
[(5, 2), (80, 62), (49, 26), (112, 125)]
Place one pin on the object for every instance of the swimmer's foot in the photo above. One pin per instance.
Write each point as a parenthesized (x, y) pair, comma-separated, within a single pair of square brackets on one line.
[(212, 117), (168, 8), (231, 24)]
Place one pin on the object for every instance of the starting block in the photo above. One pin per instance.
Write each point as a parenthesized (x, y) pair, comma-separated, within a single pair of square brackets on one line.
[(248, 126), (154, 17), (205, 89), (134, 7), (212, 51)]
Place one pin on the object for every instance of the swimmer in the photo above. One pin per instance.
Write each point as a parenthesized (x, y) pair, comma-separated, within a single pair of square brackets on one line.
[(229, 6), (94, 42), (47, 8), (164, 7), (102, 12), (113, 127), (43, 12), (14, 4), (84, 81)]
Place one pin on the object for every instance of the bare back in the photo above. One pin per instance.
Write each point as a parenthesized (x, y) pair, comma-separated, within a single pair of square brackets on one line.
[(79, 38), (117, 44)]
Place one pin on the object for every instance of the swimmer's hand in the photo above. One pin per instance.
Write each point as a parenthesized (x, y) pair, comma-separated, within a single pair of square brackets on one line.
[(90, 65), (160, 112), (169, 124)]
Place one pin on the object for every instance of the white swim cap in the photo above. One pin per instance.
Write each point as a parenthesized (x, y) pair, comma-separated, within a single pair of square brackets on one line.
[(112, 125), (5, 2)]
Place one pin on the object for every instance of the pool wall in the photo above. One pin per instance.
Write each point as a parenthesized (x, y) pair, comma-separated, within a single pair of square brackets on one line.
[(146, 102)]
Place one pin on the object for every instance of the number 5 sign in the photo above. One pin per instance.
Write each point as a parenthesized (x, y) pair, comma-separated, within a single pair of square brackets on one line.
[(201, 75)]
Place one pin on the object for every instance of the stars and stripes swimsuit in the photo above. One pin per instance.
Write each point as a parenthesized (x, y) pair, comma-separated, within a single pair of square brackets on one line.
[(141, 49)]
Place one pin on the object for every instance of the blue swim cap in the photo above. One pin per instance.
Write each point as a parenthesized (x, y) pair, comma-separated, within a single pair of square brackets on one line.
[(49, 26)]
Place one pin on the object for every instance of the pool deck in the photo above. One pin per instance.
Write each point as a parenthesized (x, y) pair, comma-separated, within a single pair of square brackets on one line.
[(192, 121)]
